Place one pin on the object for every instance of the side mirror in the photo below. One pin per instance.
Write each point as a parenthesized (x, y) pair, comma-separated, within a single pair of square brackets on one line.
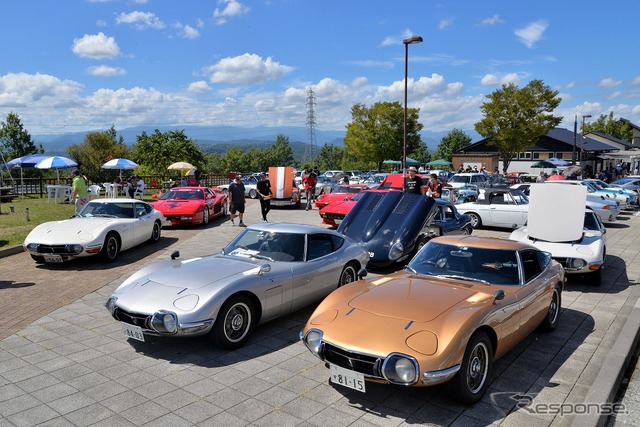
[(362, 273), (175, 254), (264, 268), (498, 295)]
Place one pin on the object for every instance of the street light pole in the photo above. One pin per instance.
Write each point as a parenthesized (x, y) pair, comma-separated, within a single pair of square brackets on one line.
[(407, 42), (584, 116)]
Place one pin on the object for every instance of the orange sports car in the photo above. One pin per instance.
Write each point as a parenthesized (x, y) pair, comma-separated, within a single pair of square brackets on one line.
[(461, 303)]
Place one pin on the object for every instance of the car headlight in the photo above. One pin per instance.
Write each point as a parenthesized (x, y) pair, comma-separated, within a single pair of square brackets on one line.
[(165, 322), (313, 341), (400, 369), (111, 304), (396, 251), (577, 263)]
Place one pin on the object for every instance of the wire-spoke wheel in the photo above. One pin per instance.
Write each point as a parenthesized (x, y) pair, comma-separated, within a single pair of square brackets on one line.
[(235, 321), (472, 380)]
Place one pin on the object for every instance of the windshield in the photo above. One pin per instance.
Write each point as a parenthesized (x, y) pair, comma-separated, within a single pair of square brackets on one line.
[(346, 189), (493, 266), (182, 195), (460, 179), (519, 197), (109, 210), (273, 246)]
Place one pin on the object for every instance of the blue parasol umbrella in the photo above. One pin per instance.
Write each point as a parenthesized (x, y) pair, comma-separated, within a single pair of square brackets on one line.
[(121, 164), (57, 163)]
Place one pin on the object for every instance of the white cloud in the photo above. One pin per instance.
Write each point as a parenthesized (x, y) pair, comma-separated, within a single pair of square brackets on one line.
[(140, 20), (96, 46), (21, 89), (609, 82), (635, 81), (492, 20), (230, 9), (106, 71), (532, 33), (198, 87), (445, 23), (247, 68), (494, 80), (395, 40)]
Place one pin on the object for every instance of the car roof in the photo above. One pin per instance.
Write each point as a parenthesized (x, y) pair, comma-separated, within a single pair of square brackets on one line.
[(284, 227), (483, 242)]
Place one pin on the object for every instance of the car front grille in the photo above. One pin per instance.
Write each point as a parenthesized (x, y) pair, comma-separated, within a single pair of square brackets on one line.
[(141, 320), (333, 216), (57, 249), (369, 366)]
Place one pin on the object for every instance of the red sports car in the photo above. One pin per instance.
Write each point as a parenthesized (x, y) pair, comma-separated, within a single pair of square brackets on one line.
[(340, 192), (191, 205), (334, 213)]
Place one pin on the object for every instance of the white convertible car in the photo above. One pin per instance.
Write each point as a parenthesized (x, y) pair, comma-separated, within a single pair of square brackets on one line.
[(497, 208), (574, 238), (103, 227)]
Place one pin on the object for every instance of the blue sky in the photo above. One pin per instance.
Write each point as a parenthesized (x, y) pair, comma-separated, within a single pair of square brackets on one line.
[(77, 65)]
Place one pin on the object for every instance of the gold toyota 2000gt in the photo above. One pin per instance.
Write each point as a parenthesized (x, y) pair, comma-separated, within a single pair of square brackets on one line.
[(461, 303)]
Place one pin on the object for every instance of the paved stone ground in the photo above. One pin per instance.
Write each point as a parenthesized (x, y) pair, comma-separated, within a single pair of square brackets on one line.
[(69, 364)]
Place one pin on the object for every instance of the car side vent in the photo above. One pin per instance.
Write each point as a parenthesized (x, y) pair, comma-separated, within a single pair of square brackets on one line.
[(403, 207), (373, 202)]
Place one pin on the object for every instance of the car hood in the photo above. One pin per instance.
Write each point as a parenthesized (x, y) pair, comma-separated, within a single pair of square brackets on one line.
[(410, 298), (170, 206), (196, 273), (70, 230)]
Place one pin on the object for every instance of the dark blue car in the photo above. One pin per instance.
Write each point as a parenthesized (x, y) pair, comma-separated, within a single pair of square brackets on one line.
[(448, 221), (392, 225)]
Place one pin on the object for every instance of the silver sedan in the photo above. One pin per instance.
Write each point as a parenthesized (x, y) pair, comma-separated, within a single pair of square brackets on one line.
[(267, 271)]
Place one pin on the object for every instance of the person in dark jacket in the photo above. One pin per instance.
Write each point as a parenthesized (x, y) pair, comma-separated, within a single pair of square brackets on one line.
[(264, 192)]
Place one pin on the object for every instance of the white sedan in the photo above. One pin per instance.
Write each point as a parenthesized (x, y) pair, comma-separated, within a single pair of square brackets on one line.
[(498, 208), (103, 227), (250, 186)]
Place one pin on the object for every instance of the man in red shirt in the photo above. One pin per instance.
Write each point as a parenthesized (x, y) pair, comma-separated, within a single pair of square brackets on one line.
[(309, 181)]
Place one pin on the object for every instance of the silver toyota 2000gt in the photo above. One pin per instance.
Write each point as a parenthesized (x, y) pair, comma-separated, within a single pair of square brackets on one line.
[(267, 271)]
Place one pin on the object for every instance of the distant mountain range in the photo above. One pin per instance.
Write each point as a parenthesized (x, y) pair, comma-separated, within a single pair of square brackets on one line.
[(221, 138)]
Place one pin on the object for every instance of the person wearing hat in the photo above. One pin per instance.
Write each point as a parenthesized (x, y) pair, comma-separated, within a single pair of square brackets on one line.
[(236, 200), (413, 183), (264, 191)]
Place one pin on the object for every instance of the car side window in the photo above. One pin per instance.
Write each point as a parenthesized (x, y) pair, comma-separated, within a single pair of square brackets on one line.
[(530, 264), (140, 210), (448, 212), (319, 245)]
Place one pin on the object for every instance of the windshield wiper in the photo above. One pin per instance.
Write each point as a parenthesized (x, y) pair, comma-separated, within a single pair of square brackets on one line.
[(470, 279), (258, 256)]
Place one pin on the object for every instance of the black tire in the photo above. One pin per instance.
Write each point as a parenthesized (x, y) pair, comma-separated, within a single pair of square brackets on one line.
[(205, 215), (224, 209), (37, 258), (467, 230), (595, 278), (553, 314), (348, 274), (472, 380), (155, 232), (475, 219), (234, 323), (111, 247), (253, 193)]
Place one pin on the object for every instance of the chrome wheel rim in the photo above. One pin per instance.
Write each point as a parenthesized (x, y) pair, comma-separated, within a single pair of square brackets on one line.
[(478, 367)]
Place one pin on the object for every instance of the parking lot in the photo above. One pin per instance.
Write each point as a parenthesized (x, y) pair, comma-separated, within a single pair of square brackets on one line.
[(65, 361)]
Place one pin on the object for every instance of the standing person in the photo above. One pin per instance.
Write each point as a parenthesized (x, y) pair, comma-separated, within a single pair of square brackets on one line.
[(413, 183), (310, 182), (79, 191), (264, 191), (236, 200), (434, 186)]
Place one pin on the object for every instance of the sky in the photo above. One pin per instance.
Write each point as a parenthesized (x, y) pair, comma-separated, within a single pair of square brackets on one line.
[(81, 65)]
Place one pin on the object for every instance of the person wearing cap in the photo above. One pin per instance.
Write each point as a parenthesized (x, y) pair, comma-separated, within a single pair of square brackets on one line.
[(413, 183), (264, 191), (79, 191), (236, 200)]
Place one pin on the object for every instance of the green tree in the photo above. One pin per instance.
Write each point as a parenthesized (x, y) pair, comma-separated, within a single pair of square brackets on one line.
[(155, 152), (15, 140), (377, 134), (421, 154), (515, 118), (97, 149), (330, 157), (280, 152), (607, 125), (450, 143), (234, 160)]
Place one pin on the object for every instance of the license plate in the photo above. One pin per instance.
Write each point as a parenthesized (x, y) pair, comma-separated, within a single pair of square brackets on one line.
[(351, 379), (277, 203), (52, 258), (133, 331)]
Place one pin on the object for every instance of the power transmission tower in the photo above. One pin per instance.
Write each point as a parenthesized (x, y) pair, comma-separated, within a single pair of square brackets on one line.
[(310, 151)]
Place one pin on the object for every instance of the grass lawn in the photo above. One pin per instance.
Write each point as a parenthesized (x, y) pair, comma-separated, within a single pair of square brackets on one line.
[(14, 226)]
